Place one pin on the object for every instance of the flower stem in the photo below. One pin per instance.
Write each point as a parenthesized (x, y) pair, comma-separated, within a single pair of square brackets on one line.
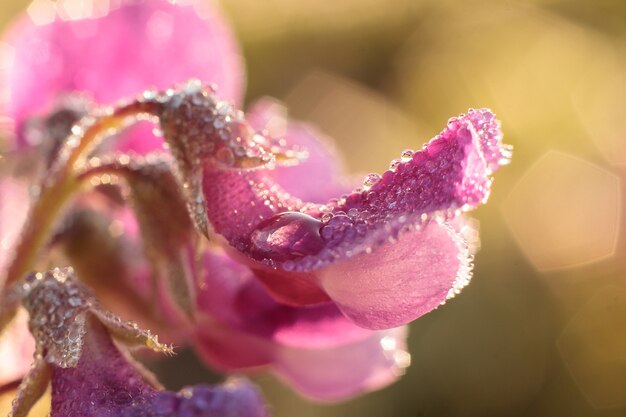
[(64, 184)]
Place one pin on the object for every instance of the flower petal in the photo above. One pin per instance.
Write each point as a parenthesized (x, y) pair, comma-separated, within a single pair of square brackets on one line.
[(104, 383), (402, 280), (115, 53), (315, 349), (321, 175), (295, 247), (339, 373), (101, 381)]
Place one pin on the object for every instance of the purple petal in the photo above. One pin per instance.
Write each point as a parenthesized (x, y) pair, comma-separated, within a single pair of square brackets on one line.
[(92, 377), (315, 349), (301, 250), (102, 382), (118, 53)]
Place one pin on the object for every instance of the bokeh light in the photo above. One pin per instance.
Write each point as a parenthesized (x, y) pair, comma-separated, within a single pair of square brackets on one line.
[(565, 212), (593, 347)]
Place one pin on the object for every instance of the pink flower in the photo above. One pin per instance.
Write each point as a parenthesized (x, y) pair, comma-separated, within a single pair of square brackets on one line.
[(385, 254), (90, 376), (120, 50), (315, 349), (323, 274)]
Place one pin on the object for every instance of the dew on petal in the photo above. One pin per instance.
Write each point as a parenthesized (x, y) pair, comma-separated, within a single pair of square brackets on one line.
[(370, 180), (287, 236), (406, 155)]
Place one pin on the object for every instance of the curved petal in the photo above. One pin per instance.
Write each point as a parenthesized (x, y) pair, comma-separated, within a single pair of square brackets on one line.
[(339, 373), (117, 52), (322, 174), (315, 349), (297, 247), (402, 280)]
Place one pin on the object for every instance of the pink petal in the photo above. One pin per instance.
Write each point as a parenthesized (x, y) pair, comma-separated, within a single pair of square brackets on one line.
[(339, 373), (117, 53), (315, 349), (400, 281), (296, 247), (318, 178)]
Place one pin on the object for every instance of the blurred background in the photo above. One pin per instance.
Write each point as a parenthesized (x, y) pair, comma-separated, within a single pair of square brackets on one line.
[(541, 331)]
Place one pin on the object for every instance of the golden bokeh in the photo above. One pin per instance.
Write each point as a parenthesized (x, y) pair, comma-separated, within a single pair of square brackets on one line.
[(565, 212), (541, 330)]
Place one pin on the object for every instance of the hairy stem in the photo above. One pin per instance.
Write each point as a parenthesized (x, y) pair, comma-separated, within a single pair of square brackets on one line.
[(63, 184)]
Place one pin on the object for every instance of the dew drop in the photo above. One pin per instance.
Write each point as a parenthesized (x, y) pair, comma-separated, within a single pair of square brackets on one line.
[(394, 164), (192, 86), (149, 94), (370, 180), (287, 236)]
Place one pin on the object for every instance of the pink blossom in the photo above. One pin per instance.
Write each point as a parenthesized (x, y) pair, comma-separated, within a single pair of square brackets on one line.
[(315, 349), (122, 49), (322, 275), (385, 254)]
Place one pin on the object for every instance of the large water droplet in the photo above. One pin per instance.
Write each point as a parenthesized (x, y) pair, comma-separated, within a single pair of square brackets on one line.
[(287, 236)]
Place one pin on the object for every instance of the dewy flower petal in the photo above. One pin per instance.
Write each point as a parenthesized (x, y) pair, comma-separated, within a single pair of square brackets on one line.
[(121, 49), (91, 377), (316, 349), (322, 175), (308, 253)]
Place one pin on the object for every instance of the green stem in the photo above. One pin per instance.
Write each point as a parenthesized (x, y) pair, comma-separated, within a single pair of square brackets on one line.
[(48, 207)]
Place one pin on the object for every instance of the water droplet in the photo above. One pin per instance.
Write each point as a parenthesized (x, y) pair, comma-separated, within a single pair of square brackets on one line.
[(192, 86), (370, 180), (287, 236), (394, 164), (406, 155), (149, 94), (337, 228)]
